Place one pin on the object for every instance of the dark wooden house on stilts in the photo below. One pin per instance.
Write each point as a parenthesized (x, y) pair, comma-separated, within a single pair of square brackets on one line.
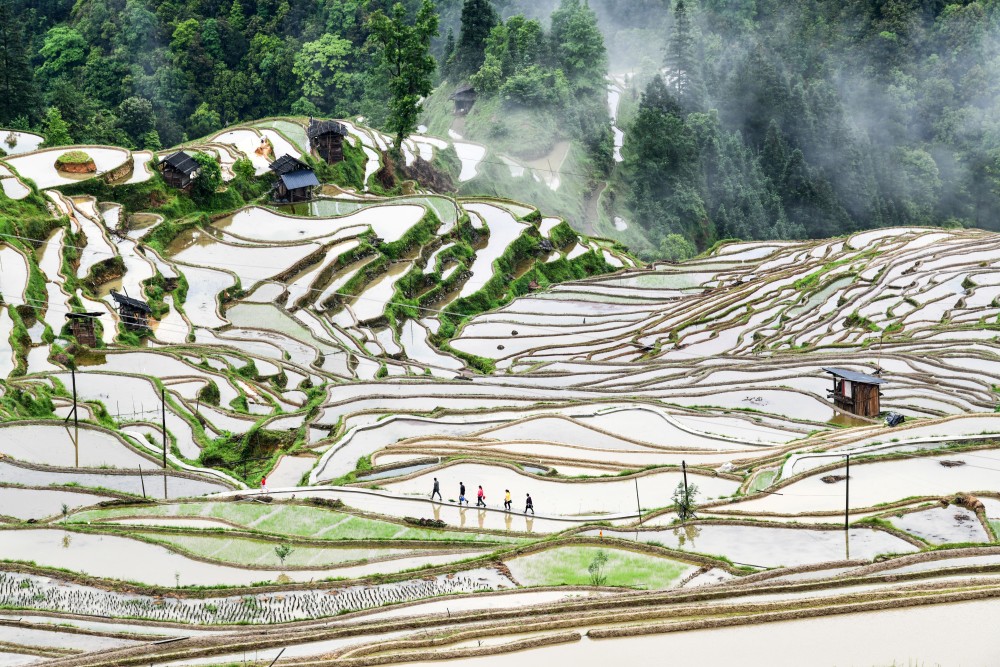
[(326, 139), (179, 169), (464, 98), (295, 180), (857, 393), (82, 327), (134, 313)]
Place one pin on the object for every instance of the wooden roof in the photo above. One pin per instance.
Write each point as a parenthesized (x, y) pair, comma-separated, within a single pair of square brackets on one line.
[(286, 164), (182, 162), (82, 316), (465, 90), (854, 376), (320, 127), (129, 302), (299, 179)]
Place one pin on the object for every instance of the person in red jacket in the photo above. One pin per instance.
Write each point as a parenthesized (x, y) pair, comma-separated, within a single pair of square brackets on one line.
[(263, 483), (481, 497)]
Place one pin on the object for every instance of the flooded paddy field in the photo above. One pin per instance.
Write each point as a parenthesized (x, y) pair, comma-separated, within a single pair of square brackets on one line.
[(319, 367)]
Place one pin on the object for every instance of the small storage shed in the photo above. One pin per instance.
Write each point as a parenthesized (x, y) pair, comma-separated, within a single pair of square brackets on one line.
[(464, 98), (326, 138), (82, 326), (295, 180), (854, 392), (179, 169), (133, 312)]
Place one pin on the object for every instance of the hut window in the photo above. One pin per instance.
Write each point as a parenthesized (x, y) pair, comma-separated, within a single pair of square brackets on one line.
[(847, 389)]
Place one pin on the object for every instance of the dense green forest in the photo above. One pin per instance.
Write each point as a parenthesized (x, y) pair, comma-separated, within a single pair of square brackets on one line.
[(754, 119), (817, 118)]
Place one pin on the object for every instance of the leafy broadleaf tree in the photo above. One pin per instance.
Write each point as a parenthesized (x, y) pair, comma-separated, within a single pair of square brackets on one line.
[(322, 71), (579, 46), (283, 551), (204, 121), (136, 118), (55, 129), (63, 50), (684, 500), (596, 568), (209, 177), (404, 51)]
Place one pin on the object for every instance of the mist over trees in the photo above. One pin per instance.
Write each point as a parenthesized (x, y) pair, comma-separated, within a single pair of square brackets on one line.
[(817, 118), (559, 73), (755, 119)]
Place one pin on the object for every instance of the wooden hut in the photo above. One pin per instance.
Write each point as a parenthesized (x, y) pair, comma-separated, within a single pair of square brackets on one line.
[(295, 180), (133, 312), (464, 98), (179, 169), (326, 139), (82, 326), (857, 393)]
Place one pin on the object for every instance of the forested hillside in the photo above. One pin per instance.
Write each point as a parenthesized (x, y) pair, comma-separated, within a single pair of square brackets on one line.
[(754, 119), (811, 119)]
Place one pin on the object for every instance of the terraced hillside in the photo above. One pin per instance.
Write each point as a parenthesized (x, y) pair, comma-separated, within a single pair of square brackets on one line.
[(358, 348)]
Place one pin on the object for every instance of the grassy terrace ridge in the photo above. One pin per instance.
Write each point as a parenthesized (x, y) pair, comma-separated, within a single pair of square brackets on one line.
[(568, 566), (286, 519), (257, 552), (74, 157)]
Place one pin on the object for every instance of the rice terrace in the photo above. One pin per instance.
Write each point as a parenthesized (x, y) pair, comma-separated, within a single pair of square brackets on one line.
[(307, 390)]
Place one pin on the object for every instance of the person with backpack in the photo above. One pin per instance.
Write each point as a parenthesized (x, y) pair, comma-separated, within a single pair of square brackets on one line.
[(529, 505), (506, 501), (437, 490), (461, 494), (481, 497)]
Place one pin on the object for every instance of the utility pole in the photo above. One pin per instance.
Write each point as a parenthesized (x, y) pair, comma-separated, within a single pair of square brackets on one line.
[(76, 420), (881, 345), (684, 470), (847, 492), (163, 425), (637, 505), (163, 422), (143, 482), (847, 479)]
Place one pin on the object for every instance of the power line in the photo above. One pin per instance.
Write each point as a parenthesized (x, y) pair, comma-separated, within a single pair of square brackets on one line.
[(638, 325), (336, 341)]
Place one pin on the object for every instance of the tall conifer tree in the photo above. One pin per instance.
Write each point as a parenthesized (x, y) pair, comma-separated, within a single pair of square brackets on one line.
[(478, 20), (17, 92)]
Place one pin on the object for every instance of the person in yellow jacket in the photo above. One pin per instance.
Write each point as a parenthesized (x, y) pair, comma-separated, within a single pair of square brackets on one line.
[(507, 500)]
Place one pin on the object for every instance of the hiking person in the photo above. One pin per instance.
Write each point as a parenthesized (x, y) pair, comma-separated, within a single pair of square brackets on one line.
[(481, 497), (461, 494), (506, 500), (529, 505), (263, 483), (437, 490)]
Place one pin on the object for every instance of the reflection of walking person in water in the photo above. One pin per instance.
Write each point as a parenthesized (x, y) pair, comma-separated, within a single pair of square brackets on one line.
[(506, 500), (461, 494), (437, 490), (529, 505), (481, 497)]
